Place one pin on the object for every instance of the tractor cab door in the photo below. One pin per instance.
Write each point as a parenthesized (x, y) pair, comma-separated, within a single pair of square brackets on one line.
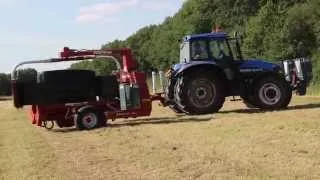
[(220, 52)]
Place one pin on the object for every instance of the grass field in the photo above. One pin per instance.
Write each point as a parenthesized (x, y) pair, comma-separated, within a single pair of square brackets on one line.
[(236, 143)]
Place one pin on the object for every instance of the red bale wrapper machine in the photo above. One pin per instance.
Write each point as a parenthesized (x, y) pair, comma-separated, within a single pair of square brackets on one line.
[(81, 98)]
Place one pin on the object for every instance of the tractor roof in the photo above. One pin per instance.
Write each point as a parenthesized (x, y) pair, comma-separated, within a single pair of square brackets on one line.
[(213, 35)]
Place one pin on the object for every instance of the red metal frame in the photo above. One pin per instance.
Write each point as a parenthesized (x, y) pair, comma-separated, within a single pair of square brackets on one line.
[(128, 74)]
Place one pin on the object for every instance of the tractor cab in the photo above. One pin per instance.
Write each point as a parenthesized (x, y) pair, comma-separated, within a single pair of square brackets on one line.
[(214, 48), (222, 51)]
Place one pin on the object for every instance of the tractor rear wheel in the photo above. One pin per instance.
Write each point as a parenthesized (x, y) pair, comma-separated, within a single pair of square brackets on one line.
[(175, 109), (175, 106), (272, 93), (199, 93)]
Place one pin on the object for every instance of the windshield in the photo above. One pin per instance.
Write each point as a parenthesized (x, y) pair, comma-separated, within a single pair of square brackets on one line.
[(210, 49)]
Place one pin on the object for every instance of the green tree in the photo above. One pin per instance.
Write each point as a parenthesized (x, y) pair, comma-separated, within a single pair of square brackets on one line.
[(101, 67), (5, 85), (27, 75), (299, 31), (264, 34), (273, 30)]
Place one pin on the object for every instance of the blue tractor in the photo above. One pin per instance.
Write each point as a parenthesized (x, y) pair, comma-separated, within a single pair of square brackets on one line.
[(212, 68)]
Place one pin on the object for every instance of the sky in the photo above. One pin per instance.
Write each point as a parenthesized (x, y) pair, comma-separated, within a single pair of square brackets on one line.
[(39, 29)]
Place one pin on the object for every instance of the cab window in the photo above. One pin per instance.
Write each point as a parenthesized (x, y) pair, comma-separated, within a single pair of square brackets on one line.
[(219, 49), (199, 50)]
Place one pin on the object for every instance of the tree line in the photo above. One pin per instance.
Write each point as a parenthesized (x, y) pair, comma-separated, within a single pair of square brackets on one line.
[(273, 30), (25, 75)]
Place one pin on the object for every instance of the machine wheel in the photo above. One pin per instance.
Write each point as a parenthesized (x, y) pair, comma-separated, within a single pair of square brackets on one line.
[(199, 93), (272, 93), (89, 118)]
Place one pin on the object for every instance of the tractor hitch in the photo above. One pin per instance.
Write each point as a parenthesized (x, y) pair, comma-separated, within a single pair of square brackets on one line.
[(298, 72)]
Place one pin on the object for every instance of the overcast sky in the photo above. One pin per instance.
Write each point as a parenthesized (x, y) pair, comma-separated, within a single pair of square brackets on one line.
[(37, 29)]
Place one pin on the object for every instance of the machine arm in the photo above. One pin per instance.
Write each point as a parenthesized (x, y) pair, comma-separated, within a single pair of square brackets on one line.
[(128, 63)]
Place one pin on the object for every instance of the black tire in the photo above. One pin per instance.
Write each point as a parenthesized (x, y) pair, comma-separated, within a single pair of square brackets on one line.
[(89, 118), (175, 108), (199, 93), (250, 102), (272, 93)]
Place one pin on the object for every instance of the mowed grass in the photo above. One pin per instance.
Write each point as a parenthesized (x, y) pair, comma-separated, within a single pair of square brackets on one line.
[(237, 143), (23, 153)]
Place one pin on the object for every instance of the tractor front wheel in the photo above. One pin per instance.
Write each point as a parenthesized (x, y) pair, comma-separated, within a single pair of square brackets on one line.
[(249, 101), (272, 93), (199, 93)]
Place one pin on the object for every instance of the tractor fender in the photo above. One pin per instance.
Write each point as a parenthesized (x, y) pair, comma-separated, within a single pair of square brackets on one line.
[(264, 75), (189, 68), (200, 65), (81, 109)]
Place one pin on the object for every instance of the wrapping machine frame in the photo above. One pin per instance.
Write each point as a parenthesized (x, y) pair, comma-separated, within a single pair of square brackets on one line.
[(67, 114)]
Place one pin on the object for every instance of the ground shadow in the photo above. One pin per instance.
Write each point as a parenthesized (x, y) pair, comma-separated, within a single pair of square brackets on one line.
[(144, 121), (5, 98), (163, 120), (290, 108), (64, 130)]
